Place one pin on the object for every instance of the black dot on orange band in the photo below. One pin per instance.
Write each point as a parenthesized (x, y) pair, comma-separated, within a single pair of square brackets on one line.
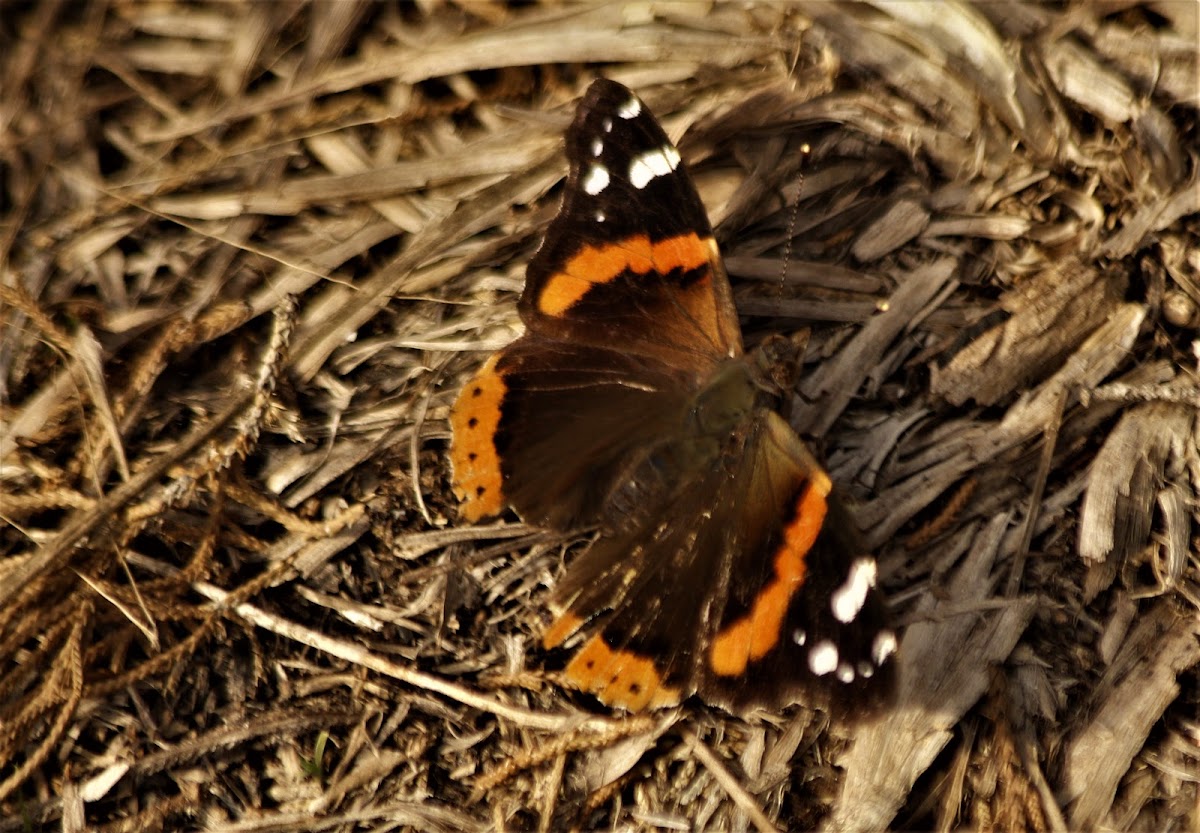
[(479, 490), (472, 456), (472, 422), (477, 392)]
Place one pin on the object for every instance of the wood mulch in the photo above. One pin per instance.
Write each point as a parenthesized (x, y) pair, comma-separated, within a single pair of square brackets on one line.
[(249, 252)]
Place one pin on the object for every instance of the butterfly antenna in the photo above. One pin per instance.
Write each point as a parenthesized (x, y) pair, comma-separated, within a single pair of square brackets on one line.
[(805, 150)]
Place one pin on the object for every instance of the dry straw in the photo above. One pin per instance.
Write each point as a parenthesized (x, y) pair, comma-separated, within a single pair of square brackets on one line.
[(249, 252)]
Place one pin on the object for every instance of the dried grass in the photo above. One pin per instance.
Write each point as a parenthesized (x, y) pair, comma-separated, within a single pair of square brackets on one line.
[(248, 253)]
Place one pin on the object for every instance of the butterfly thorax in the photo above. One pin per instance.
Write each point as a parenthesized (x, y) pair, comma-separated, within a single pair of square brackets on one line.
[(714, 425), (723, 402), (764, 378)]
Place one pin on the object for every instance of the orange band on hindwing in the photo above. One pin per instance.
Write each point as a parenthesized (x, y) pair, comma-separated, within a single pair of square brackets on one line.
[(477, 478), (561, 630), (619, 678)]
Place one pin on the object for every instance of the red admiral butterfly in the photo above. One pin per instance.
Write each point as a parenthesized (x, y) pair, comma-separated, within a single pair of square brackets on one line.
[(725, 565)]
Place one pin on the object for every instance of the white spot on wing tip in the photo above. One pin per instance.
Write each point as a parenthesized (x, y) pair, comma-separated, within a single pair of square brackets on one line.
[(799, 636), (847, 601), (606, 125), (883, 646), (597, 146), (630, 108), (646, 166), (845, 672), (823, 659), (595, 180), (600, 217)]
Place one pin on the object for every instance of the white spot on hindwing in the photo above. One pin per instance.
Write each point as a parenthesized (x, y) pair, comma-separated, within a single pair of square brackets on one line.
[(646, 166), (595, 180), (823, 658), (847, 601)]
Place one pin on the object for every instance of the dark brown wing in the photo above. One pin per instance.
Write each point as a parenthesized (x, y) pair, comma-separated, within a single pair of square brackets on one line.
[(628, 311), (747, 588), (557, 430), (630, 261)]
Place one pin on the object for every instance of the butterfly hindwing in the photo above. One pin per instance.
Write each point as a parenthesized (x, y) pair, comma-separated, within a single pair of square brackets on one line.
[(556, 428)]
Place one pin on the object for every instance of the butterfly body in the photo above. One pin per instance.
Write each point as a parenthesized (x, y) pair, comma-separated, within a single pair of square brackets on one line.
[(725, 565)]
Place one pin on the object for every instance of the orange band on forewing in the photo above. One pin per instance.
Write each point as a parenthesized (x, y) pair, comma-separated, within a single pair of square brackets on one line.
[(477, 479), (601, 264), (686, 251), (619, 678), (561, 293), (754, 635)]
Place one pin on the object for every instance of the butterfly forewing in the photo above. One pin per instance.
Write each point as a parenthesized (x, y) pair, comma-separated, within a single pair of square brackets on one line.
[(630, 255)]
